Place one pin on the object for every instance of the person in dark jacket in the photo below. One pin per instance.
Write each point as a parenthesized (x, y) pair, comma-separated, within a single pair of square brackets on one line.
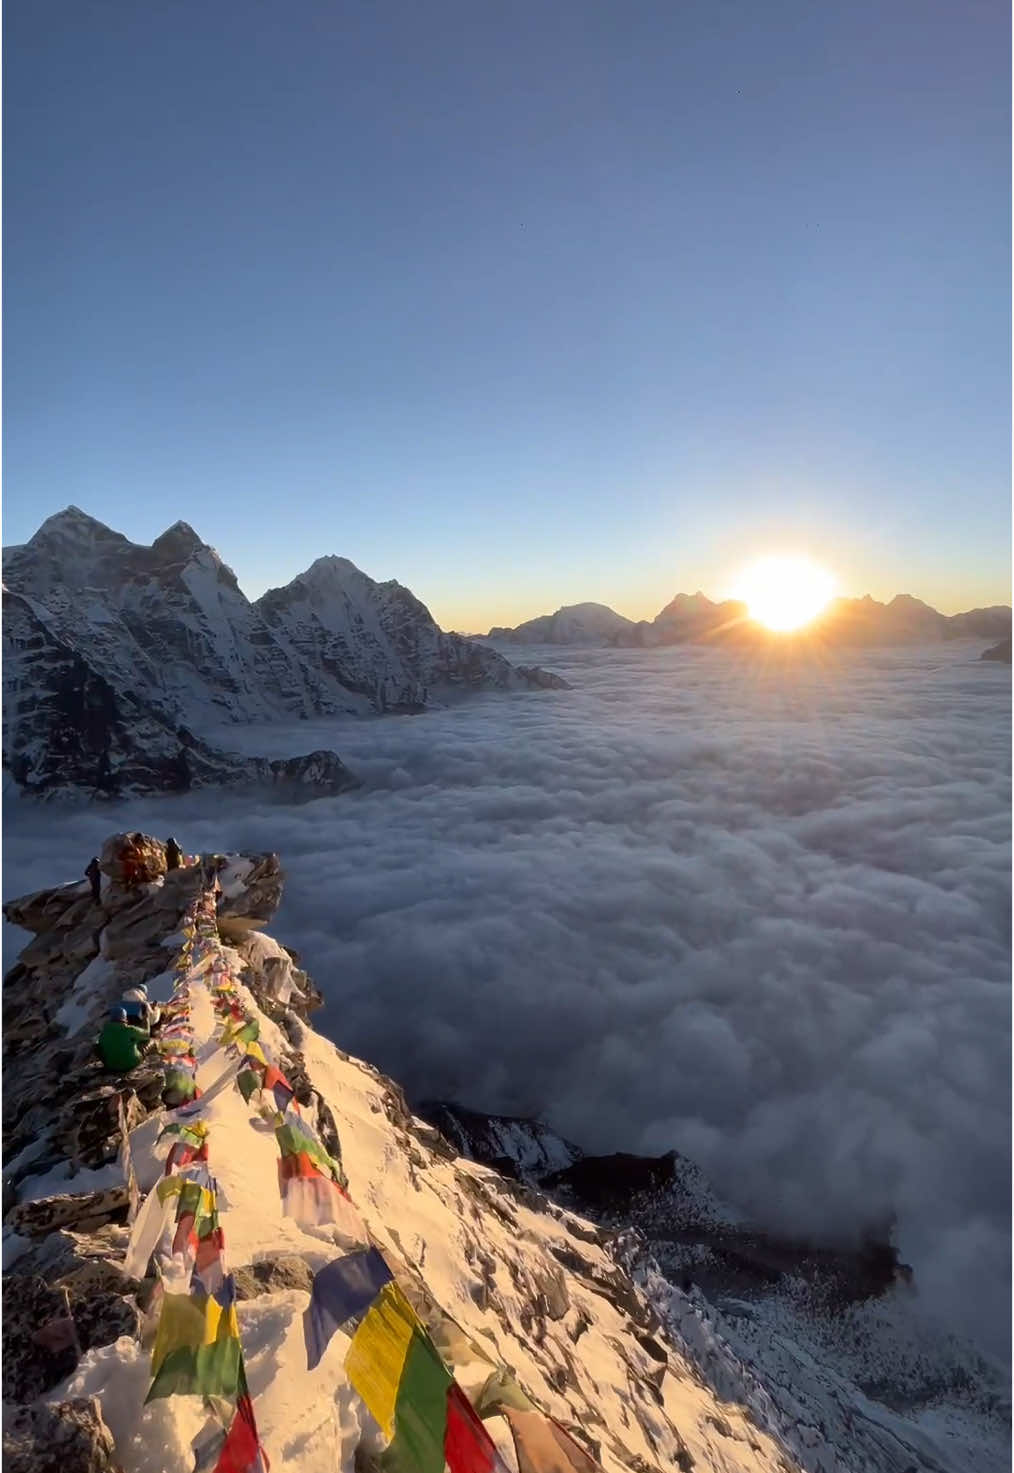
[(94, 876), (173, 854), (121, 1047)]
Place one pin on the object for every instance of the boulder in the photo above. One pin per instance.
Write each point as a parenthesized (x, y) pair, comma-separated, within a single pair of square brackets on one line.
[(133, 859), (251, 893), (62, 1254), (270, 1275), (83, 1210), (40, 1344), (61, 1437), (89, 1132)]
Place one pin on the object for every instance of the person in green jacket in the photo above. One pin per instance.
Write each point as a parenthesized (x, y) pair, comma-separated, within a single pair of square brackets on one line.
[(121, 1046)]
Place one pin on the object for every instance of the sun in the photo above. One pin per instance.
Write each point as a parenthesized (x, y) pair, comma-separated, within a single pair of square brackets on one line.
[(784, 593)]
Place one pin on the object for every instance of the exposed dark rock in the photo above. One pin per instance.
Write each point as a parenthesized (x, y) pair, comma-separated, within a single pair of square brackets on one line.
[(59, 1437), (258, 899), (540, 679), (40, 1343), (270, 1275), (1001, 651), (666, 1199), (84, 1211), (609, 1181)]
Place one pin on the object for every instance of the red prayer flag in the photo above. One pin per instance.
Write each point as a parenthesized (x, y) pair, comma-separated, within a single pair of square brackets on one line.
[(242, 1451), (468, 1447)]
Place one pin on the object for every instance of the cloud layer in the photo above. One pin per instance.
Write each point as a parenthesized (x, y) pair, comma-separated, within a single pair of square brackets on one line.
[(762, 916)]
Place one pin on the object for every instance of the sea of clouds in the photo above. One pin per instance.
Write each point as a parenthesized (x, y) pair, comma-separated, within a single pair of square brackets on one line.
[(757, 913)]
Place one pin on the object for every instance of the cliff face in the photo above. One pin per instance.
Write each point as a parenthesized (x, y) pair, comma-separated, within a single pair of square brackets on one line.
[(528, 1304), (119, 659)]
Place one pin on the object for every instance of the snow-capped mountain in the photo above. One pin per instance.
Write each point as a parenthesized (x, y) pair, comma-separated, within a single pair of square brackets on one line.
[(118, 656), (375, 644), (590, 624), (826, 1342), (69, 729), (526, 1303)]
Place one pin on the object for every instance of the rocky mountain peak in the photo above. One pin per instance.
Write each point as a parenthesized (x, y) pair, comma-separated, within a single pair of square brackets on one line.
[(74, 525), (178, 543)]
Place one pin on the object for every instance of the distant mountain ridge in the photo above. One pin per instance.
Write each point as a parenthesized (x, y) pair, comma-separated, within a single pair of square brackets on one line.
[(574, 624), (119, 655), (689, 618)]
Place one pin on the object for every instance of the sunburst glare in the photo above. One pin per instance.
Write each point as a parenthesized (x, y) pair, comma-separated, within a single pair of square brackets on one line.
[(784, 593)]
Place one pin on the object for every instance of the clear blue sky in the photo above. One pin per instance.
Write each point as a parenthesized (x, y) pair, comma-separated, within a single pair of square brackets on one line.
[(519, 304)]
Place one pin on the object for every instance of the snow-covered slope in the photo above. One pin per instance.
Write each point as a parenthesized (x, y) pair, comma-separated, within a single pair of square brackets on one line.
[(376, 640), (68, 729), (143, 649), (517, 1293), (828, 1345)]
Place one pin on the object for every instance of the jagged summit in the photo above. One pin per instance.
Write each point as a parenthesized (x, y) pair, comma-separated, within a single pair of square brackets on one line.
[(178, 542), (72, 522), (106, 634)]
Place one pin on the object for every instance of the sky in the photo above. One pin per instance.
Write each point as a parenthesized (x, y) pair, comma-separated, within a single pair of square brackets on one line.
[(763, 921), (521, 305)]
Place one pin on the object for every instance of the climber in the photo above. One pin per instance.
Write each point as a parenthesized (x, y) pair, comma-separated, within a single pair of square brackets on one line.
[(121, 1047), (94, 876), (139, 1010), (173, 854)]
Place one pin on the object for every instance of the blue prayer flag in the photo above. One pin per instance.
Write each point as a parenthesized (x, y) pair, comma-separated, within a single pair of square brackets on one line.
[(343, 1288)]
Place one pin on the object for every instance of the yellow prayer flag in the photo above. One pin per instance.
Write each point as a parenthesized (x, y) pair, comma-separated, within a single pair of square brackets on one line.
[(376, 1357), (180, 1323)]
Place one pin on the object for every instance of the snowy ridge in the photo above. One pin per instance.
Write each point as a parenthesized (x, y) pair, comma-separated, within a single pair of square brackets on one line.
[(532, 1288)]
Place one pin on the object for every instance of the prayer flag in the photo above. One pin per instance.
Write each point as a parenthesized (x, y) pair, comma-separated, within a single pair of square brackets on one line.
[(420, 1411), (341, 1290), (197, 1351), (542, 1445), (468, 1447), (242, 1451), (376, 1357)]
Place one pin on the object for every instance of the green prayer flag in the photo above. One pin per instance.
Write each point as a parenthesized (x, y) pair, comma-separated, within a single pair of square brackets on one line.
[(210, 1370), (420, 1412)]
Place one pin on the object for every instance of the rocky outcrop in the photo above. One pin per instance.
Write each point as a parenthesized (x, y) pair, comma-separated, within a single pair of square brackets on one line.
[(690, 1232), (118, 656), (1001, 652), (540, 679), (59, 1437)]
